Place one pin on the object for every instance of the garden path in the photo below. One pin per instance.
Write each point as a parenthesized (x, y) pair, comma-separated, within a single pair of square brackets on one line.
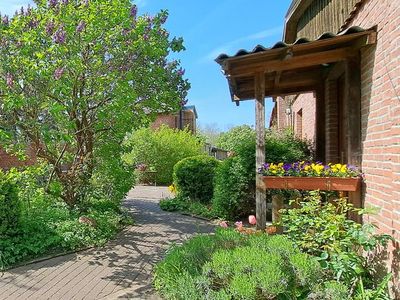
[(120, 270)]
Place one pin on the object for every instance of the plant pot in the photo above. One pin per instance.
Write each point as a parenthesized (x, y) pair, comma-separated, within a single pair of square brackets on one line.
[(312, 183)]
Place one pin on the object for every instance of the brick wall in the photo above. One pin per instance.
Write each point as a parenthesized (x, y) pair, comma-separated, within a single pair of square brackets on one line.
[(172, 121), (380, 96), (8, 161), (306, 104)]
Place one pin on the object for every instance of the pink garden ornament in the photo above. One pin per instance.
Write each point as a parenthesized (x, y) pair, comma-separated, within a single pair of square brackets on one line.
[(252, 220)]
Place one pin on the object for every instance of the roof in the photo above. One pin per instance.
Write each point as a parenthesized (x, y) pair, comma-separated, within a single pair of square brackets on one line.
[(191, 108), (291, 68), (281, 44)]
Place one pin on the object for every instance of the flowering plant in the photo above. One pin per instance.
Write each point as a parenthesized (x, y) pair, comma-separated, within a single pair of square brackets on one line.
[(309, 169)]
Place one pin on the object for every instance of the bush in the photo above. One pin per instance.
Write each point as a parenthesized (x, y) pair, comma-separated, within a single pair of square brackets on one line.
[(322, 229), (229, 265), (10, 208), (181, 204), (161, 149), (47, 225), (234, 191), (194, 177)]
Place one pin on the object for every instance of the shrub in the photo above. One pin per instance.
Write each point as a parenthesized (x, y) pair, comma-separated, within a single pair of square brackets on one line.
[(322, 229), (229, 265), (10, 208), (234, 191), (161, 149), (194, 177), (181, 204)]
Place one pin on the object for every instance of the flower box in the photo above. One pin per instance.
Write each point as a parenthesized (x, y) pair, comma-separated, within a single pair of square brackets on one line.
[(313, 183)]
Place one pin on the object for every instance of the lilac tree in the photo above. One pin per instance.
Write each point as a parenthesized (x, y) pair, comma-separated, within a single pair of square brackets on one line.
[(76, 76)]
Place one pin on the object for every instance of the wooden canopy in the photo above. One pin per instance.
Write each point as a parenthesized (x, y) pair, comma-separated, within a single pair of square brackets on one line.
[(291, 68)]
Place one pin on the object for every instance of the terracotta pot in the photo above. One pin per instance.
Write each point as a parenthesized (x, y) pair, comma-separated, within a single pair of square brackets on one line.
[(312, 183)]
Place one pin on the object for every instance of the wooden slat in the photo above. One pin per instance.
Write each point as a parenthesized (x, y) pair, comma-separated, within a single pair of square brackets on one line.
[(303, 61), (261, 205)]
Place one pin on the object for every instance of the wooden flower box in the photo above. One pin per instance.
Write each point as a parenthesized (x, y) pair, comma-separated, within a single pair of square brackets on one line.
[(313, 183)]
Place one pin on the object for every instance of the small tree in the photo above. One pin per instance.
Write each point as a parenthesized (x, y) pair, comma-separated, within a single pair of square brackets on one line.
[(76, 75)]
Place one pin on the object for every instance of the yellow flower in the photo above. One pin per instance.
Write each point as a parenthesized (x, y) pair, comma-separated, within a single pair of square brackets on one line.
[(172, 188)]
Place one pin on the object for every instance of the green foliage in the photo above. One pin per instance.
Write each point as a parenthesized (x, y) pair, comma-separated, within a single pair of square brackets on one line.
[(229, 265), (322, 229), (234, 192), (194, 177), (78, 75), (330, 290), (47, 225), (161, 149), (10, 208), (184, 205)]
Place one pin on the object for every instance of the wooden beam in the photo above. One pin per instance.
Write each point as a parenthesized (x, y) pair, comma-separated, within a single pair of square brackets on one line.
[(353, 99), (261, 205), (297, 62)]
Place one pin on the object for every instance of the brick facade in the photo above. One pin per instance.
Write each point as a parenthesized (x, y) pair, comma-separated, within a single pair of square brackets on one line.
[(8, 161), (172, 120), (380, 118)]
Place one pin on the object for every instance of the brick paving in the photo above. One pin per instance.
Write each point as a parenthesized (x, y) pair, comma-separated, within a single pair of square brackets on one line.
[(120, 270)]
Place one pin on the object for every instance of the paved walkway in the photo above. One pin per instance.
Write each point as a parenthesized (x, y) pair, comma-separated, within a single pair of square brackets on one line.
[(120, 270)]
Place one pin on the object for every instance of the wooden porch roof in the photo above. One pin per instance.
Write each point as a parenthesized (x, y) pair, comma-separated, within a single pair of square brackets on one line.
[(291, 68)]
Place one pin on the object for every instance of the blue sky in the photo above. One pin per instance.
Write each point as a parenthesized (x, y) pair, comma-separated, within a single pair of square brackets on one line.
[(210, 27)]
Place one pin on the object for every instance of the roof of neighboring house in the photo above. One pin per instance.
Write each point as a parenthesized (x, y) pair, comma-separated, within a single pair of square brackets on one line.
[(298, 7), (191, 108)]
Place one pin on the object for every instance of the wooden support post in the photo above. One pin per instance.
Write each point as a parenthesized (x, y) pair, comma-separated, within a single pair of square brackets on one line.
[(261, 205), (277, 205), (353, 99)]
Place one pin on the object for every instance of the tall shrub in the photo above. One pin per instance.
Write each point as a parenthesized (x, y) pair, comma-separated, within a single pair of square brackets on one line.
[(10, 208), (161, 149), (234, 193), (194, 176)]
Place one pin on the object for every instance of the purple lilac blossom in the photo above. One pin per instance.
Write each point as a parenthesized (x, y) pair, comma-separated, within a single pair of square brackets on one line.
[(65, 2), (53, 3), (22, 11), (5, 20), (58, 73), (9, 80), (81, 26), (50, 28), (59, 36), (133, 11), (181, 72), (163, 19), (33, 23)]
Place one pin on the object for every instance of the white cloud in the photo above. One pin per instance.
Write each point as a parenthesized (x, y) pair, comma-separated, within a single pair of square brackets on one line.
[(229, 47)]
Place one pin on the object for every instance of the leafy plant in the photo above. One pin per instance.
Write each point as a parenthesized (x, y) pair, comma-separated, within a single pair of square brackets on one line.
[(181, 204), (10, 206), (322, 229), (161, 149), (76, 76), (234, 189), (194, 177)]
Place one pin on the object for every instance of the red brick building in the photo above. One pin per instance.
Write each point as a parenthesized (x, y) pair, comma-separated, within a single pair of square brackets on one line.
[(379, 89), (335, 79), (186, 118)]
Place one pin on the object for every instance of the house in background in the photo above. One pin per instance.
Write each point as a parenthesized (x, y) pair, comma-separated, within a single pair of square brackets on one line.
[(335, 79), (8, 161), (185, 118)]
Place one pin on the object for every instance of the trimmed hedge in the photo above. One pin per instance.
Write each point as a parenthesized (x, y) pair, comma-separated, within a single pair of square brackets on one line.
[(194, 177)]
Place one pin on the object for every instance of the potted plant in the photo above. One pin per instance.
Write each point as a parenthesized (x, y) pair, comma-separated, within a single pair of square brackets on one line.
[(311, 176)]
